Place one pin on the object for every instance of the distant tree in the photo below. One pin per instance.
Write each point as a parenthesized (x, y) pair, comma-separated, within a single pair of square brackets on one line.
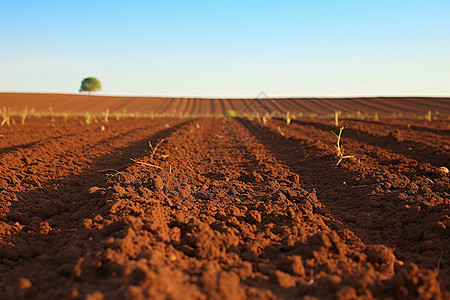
[(90, 84)]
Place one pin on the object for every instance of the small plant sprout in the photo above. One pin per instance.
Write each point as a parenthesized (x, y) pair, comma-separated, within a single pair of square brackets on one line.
[(88, 119), (288, 118), (428, 117), (24, 115), (106, 119), (376, 117), (33, 112), (231, 113), (6, 118), (265, 119), (336, 118), (339, 150)]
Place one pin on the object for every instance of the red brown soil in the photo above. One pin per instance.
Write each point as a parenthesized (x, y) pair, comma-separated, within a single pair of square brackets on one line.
[(238, 210), (68, 103)]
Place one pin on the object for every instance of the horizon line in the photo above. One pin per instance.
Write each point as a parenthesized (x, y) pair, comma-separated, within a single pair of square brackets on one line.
[(231, 98)]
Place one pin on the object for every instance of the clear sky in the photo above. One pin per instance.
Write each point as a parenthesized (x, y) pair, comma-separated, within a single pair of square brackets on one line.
[(227, 48)]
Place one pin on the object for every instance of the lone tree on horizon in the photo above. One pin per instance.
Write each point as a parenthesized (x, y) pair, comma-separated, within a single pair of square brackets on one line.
[(90, 84)]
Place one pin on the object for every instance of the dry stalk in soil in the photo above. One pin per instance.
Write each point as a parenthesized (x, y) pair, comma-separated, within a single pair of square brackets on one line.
[(6, 118), (106, 119), (6, 121), (288, 118), (154, 148), (146, 164), (339, 150), (24, 116), (429, 117), (151, 156)]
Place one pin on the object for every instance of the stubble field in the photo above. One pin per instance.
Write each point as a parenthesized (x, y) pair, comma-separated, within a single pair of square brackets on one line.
[(224, 208)]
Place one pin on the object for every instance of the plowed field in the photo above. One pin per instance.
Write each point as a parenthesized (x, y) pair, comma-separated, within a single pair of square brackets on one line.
[(223, 208), (68, 103)]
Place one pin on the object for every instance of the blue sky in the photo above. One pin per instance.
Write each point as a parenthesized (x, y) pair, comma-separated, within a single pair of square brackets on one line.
[(227, 48)]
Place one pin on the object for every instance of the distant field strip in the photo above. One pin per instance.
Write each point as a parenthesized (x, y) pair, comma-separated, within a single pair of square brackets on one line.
[(72, 103)]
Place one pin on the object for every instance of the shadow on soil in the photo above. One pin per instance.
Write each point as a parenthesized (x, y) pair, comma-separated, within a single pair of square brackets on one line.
[(64, 208), (31, 144)]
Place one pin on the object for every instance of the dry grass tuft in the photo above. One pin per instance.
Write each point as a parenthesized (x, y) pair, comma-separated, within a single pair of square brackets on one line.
[(154, 148)]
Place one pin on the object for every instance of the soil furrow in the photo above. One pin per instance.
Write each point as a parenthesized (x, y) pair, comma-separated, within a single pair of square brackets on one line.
[(22, 136), (438, 131), (376, 159), (440, 128), (56, 158), (50, 222), (427, 138), (437, 156), (383, 211), (435, 139)]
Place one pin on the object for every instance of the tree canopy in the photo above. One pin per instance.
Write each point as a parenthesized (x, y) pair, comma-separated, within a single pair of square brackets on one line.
[(90, 84)]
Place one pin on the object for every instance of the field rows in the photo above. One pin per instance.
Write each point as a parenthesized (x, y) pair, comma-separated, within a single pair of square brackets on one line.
[(224, 209), (260, 104)]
